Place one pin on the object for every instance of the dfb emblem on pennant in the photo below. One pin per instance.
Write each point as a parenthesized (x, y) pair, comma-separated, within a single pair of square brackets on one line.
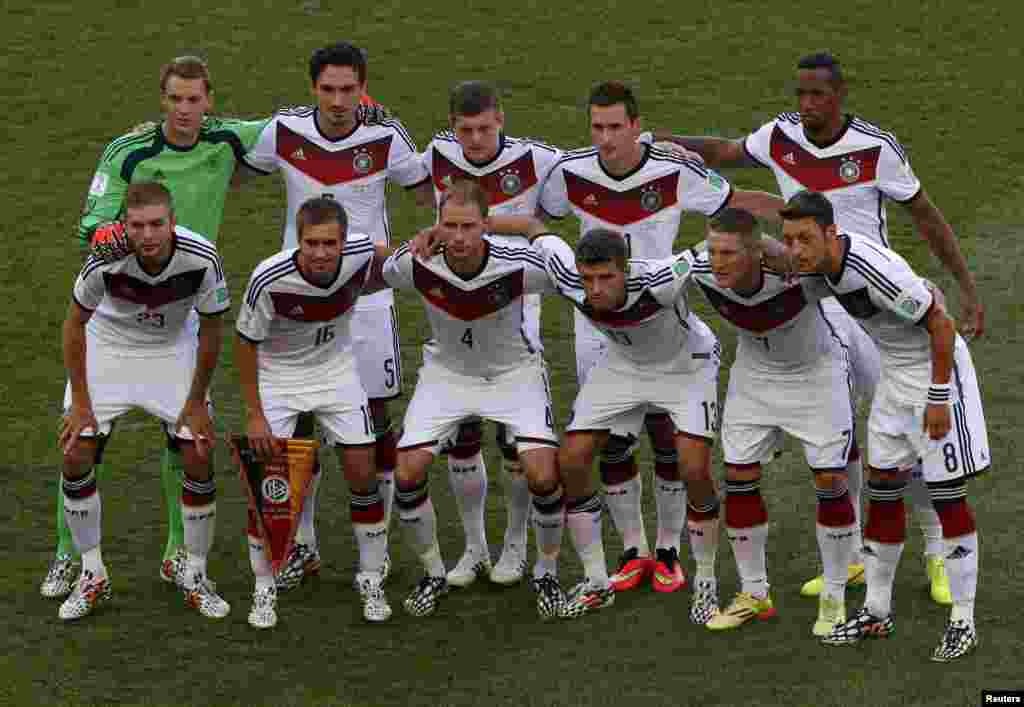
[(276, 489), (650, 200), (849, 171), (511, 184), (362, 162)]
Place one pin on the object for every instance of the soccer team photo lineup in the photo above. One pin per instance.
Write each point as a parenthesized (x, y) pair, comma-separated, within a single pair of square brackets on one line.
[(843, 352)]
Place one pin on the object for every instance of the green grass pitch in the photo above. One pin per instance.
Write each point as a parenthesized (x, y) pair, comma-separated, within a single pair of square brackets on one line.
[(75, 75)]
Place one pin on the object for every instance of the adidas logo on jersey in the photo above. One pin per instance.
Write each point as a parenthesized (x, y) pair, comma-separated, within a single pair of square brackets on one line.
[(590, 200), (789, 158), (298, 154), (296, 311)]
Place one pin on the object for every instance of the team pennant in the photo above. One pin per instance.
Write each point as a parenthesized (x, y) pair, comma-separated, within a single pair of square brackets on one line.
[(276, 490)]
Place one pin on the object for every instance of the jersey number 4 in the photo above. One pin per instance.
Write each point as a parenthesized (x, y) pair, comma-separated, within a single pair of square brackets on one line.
[(467, 337)]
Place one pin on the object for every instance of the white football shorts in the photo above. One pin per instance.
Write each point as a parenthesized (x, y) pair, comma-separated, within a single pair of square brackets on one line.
[(617, 395), (814, 408), (342, 410), (375, 343), (896, 436), (519, 399), (158, 385)]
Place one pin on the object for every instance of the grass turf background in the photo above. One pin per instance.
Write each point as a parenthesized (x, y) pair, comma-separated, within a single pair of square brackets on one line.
[(75, 75)]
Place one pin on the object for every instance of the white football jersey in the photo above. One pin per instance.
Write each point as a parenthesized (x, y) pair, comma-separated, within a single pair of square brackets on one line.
[(645, 206), (477, 322), (353, 169), (655, 328), (781, 328), (138, 314), (512, 179), (878, 287), (857, 171), (304, 329)]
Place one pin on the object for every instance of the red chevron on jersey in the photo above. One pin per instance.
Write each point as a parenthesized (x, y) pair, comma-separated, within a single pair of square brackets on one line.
[(310, 308), (328, 167), (175, 288), (823, 173), (622, 207), (467, 305), (506, 182), (643, 309), (760, 317)]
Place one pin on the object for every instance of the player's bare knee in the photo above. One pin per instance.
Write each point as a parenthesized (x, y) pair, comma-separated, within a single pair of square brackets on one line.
[(743, 472), (889, 477), (196, 467), (541, 469), (830, 479), (357, 463), (82, 455), (577, 452), (694, 458), (412, 466)]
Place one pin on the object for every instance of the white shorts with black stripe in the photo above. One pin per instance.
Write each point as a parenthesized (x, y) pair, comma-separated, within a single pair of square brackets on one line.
[(375, 342), (341, 409), (896, 436), (519, 399), (813, 407)]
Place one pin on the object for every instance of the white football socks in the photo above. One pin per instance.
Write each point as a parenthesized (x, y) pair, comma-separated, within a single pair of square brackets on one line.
[(670, 500), (517, 503), (261, 568), (419, 527), (623, 501), (468, 480), (305, 534), (880, 564)]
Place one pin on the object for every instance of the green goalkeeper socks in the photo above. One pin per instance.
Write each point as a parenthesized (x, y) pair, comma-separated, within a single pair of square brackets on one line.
[(172, 471)]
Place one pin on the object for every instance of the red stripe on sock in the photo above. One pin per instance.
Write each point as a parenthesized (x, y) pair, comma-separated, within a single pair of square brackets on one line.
[(745, 510), (836, 512), (666, 471), (197, 499), (619, 472), (368, 514), (887, 522), (956, 517)]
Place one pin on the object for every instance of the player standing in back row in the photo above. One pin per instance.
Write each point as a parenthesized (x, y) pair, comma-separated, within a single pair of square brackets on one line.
[(510, 171), (640, 192), (860, 167), (329, 150)]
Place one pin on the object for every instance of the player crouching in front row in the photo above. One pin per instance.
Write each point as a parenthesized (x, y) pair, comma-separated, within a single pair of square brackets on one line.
[(928, 383), (125, 346), (481, 362), (661, 357), (295, 355)]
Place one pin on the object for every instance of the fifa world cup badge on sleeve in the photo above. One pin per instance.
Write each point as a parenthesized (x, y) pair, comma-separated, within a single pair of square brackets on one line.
[(276, 491)]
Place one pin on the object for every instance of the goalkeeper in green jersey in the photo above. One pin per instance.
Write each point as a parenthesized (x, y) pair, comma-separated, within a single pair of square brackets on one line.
[(194, 156)]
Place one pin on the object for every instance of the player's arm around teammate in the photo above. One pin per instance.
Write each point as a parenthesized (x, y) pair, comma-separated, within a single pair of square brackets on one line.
[(295, 355), (480, 363)]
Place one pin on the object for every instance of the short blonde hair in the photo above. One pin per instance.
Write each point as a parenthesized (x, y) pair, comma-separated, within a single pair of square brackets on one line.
[(185, 67), (466, 192), (142, 194)]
